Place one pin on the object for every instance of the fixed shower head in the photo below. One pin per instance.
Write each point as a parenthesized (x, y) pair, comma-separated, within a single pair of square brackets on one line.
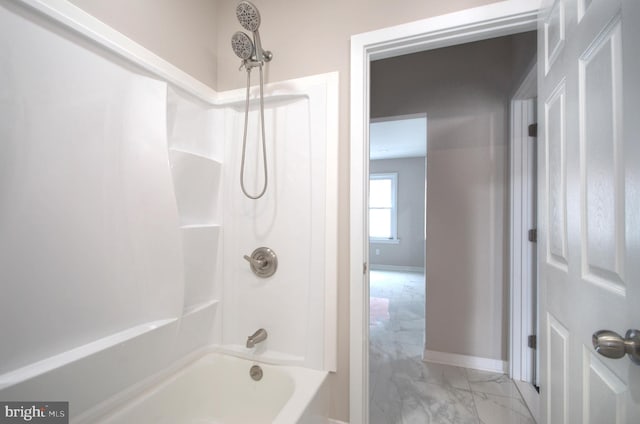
[(242, 45), (248, 16)]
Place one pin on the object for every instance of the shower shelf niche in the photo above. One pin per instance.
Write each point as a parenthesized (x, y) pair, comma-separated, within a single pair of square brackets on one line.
[(194, 145), (192, 125), (196, 182)]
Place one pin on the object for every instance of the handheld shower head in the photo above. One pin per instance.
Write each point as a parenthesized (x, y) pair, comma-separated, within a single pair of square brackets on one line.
[(248, 16), (242, 45), (252, 56)]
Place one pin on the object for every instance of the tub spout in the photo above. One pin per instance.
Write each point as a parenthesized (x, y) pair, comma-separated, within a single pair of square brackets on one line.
[(257, 337)]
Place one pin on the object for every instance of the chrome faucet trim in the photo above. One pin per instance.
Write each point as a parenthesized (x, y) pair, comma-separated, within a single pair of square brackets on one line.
[(257, 337)]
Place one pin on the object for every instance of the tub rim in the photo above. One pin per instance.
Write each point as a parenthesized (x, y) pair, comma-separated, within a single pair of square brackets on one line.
[(307, 383)]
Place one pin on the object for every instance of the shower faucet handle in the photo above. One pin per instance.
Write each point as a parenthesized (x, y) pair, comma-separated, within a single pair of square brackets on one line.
[(258, 263), (263, 262)]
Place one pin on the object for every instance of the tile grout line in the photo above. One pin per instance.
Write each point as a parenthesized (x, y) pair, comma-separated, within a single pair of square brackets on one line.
[(473, 398)]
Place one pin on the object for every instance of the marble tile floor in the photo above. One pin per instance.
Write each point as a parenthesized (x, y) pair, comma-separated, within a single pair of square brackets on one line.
[(403, 389)]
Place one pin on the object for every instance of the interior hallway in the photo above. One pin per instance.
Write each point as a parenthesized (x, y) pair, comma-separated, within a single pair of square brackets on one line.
[(406, 390)]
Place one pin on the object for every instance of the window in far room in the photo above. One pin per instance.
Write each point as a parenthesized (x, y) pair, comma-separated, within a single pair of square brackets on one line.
[(383, 189)]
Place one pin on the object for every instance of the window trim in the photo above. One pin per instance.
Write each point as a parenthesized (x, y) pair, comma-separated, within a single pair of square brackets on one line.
[(393, 176)]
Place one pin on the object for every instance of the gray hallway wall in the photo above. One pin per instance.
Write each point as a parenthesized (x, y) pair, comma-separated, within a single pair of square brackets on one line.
[(465, 92)]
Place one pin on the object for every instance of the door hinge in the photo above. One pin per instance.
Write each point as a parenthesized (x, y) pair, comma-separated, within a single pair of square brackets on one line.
[(532, 341), (533, 130), (364, 267), (533, 235)]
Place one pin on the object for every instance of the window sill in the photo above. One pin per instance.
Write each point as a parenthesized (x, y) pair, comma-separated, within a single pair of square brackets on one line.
[(384, 241)]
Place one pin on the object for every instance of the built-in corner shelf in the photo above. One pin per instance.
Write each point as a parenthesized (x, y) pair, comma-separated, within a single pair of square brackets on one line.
[(196, 154), (199, 226), (193, 125), (195, 135), (196, 182)]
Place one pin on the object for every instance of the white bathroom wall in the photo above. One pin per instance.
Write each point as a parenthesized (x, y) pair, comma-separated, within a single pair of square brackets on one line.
[(108, 261), (294, 218), (83, 165), (253, 302)]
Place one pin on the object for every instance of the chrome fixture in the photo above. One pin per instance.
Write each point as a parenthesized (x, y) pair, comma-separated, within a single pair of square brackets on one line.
[(257, 337), (249, 17), (256, 372), (612, 345), (252, 56), (263, 262), (242, 45)]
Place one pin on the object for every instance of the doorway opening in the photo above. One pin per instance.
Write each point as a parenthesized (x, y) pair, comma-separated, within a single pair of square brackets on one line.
[(465, 90), (397, 194), (457, 28)]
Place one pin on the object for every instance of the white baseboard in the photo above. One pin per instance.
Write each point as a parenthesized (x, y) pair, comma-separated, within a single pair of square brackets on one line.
[(332, 421), (475, 362), (531, 398), (379, 267)]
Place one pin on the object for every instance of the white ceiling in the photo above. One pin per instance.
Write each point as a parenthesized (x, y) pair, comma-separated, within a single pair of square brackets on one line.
[(398, 138)]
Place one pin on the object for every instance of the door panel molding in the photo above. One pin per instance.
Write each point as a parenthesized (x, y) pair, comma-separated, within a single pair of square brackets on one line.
[(601, 160), (554, 34), (556, 177), (599, 382), (557, 368)]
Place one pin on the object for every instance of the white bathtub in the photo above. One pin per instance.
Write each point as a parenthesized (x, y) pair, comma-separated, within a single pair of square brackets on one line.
[(218, 389)]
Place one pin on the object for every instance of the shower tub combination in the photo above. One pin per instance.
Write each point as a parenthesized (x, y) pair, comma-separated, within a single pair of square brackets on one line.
[(152, 315), (217, 388)]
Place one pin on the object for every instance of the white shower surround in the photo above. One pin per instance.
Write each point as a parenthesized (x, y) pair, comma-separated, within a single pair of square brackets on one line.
[(297, 304), (186, 300)]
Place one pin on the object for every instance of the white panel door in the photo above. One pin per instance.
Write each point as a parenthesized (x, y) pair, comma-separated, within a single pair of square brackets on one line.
[(589, 206)]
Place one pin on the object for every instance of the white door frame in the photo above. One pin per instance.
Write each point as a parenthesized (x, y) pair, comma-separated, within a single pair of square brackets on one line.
[(494, 20), (522, 184)]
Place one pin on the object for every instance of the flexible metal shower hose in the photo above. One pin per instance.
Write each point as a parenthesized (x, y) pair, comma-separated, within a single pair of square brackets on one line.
[(244, 138)]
